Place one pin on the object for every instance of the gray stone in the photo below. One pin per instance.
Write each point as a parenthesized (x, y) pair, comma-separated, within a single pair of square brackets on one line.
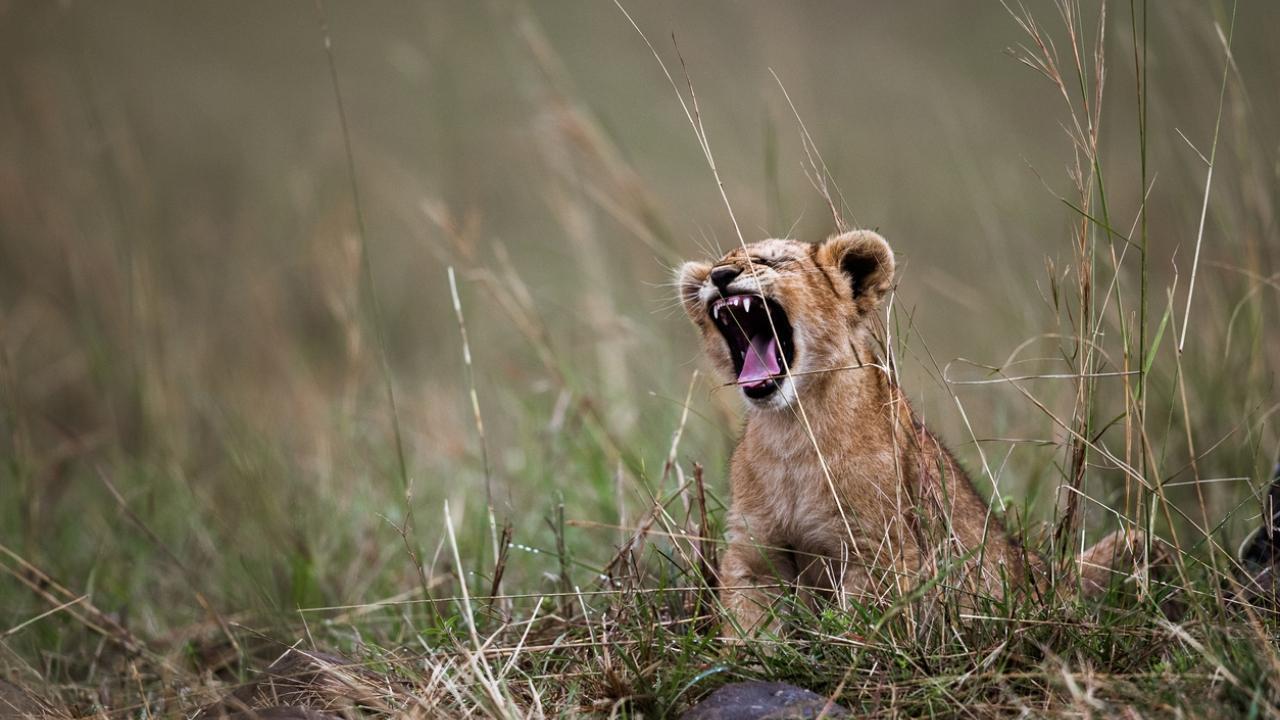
[(764, 701)]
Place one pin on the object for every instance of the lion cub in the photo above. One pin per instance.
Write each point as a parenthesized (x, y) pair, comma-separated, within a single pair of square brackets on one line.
[(836, 486)]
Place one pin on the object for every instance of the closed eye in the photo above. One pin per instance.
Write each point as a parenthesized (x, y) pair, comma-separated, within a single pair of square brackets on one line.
[(773, 263)]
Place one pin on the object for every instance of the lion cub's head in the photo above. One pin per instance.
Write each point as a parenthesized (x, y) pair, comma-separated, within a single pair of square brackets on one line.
[(774, 316)]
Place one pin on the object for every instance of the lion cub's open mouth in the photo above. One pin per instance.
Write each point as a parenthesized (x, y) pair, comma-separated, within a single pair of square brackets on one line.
[(758, 355)]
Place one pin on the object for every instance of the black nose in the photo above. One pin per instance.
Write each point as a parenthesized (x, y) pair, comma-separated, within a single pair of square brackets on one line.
[(723, 275)]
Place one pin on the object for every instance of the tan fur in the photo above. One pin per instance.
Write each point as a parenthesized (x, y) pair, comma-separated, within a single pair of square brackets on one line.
[(836, 486)]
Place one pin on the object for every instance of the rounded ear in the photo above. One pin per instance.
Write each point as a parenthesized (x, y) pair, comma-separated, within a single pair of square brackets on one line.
[(689, 279), (864, 260)]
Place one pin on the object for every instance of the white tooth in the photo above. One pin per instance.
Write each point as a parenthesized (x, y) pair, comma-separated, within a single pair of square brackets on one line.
[(715, 311), (746, 303)]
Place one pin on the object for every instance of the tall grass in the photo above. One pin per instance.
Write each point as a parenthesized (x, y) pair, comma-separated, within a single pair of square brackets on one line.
[(459, 439)]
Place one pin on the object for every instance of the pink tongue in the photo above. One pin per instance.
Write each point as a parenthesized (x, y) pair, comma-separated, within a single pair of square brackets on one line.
[(761, 362)]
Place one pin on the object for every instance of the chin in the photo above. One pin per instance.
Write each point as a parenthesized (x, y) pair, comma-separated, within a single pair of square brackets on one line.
[(781, 397)]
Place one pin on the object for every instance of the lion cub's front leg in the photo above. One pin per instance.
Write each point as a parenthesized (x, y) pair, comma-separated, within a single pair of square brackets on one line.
[(753, 574)]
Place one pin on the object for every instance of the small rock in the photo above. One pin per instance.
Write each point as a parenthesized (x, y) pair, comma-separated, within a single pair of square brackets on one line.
[(764, 701)]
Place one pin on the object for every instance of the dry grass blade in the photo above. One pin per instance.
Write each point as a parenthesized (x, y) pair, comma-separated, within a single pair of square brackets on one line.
[(1208, 179)]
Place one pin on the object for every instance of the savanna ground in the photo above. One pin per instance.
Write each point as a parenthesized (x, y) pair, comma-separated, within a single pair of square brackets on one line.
[(244, 409)]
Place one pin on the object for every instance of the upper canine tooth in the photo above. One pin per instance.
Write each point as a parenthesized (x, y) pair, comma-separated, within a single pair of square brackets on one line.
[(746, 303), (715, 310)]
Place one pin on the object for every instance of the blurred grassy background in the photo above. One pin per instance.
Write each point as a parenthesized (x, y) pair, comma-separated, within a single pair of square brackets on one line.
[(185, 317)]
